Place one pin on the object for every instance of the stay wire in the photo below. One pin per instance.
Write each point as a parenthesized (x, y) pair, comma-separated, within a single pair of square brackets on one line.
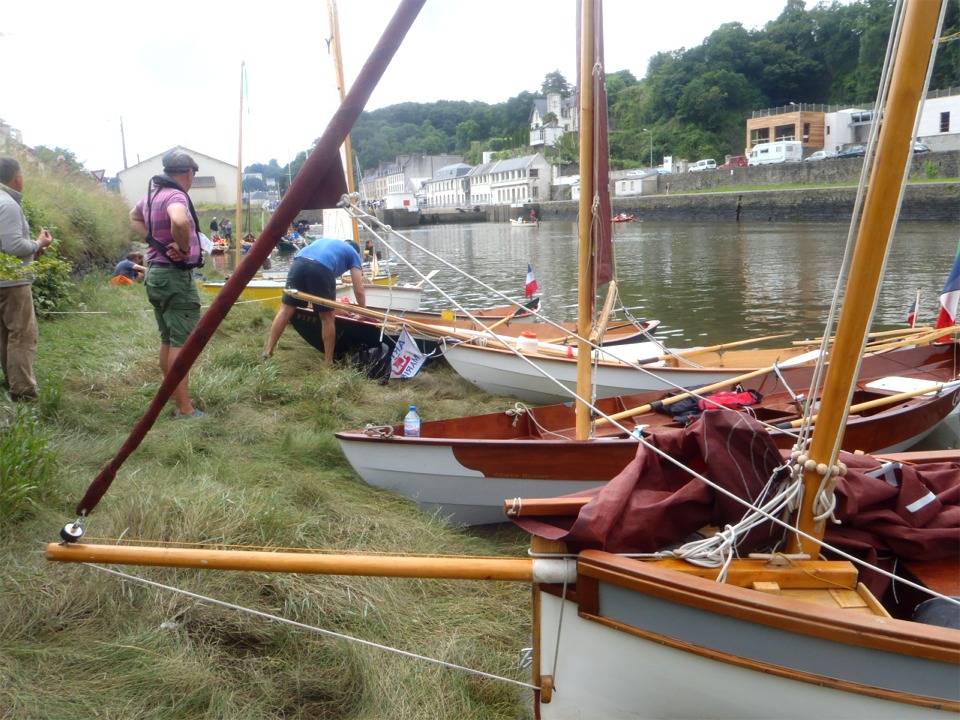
[(311, 628)]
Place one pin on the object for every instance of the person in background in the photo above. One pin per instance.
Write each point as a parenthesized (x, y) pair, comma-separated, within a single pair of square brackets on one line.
[(315, 270), (18, 323), (369, 250), (226, 228), (214, 228), (167, 214), (132, 267)]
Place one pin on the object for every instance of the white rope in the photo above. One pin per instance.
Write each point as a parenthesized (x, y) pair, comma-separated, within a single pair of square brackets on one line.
[(311, 628)]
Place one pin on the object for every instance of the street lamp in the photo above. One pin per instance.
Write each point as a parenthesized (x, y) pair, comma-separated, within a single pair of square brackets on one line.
[(651, 146)]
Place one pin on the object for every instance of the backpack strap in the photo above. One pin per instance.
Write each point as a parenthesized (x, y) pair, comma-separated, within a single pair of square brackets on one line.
[(160, 182)]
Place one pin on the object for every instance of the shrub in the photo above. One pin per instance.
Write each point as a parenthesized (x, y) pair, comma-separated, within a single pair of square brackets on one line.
[(930, 170)]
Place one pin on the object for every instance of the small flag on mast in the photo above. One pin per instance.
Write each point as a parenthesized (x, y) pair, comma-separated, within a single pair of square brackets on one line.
[(532, 286)]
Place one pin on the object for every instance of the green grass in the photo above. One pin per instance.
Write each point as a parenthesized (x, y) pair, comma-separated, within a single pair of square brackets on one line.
[(262, 469)]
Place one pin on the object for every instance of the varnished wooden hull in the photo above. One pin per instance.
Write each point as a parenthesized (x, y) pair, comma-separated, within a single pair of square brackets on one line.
[(463, 468)]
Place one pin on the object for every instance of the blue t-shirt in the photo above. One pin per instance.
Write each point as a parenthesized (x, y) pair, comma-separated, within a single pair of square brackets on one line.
[(336, 255)]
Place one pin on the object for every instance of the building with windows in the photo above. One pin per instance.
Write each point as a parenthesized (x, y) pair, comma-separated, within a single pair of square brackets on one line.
[(836, 127), (523, 179), (450, 187), (551, 119), (215, 183), (404, 175)]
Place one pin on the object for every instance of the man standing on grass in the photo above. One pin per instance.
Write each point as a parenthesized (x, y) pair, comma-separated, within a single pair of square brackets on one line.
[(314, 271), (166, 219), (18, 323)]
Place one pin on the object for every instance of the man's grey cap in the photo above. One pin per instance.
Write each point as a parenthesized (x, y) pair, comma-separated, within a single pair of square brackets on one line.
[(177, 162)]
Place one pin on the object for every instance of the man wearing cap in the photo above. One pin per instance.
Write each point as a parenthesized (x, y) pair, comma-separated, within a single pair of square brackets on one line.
[(165, 217), (18, 324), (314, 271)]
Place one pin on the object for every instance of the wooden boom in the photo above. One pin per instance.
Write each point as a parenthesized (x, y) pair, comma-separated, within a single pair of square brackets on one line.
[(449, 568)]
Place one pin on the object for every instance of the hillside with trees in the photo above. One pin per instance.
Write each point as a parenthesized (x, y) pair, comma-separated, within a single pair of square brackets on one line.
[(695, 101)]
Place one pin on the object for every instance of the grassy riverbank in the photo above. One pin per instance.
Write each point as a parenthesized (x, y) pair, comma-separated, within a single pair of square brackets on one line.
[(261, 469)]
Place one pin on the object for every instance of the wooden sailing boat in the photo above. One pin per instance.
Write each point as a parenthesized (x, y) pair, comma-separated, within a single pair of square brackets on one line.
[(620, 637)]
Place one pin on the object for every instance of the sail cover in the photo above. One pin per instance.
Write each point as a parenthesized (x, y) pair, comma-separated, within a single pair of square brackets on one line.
[(600, 232), (884, 511)]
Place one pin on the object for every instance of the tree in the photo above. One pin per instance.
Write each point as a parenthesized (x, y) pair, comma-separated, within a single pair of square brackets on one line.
[(555, 82)]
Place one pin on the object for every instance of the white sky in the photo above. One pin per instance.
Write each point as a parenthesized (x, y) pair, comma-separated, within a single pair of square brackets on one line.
[(72, 70)]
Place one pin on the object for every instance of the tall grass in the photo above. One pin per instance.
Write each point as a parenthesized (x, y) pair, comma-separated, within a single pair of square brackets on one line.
[(261, 469)]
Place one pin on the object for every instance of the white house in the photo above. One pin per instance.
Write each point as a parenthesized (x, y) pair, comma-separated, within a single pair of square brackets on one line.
[(214, 184), (450, 187), (544, 132), (506, 181)]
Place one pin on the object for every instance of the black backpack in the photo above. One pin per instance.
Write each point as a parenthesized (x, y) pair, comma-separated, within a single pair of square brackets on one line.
[(374, 361)]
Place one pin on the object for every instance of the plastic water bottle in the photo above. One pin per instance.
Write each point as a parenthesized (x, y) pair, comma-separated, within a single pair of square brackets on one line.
[(411, 423)]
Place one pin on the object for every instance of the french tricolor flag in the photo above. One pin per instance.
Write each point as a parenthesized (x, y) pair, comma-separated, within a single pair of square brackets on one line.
[(950, 297), (532, 281)]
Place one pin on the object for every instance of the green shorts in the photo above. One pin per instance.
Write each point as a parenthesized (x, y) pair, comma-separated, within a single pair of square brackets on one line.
[(176, 303)]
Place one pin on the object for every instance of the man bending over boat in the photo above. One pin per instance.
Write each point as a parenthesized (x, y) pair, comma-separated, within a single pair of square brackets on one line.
[(314, 271)]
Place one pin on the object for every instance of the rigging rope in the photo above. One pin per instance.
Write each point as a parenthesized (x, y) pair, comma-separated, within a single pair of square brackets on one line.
[(312, 628)]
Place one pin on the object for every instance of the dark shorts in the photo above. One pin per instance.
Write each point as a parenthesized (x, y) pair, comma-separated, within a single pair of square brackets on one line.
[(176, 303), (312, 278)]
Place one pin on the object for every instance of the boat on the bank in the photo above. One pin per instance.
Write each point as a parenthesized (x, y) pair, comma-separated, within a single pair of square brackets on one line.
[(462, 468)]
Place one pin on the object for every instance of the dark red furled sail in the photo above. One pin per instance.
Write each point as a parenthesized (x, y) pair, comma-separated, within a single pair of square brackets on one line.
[(600, 233), (319, 184)]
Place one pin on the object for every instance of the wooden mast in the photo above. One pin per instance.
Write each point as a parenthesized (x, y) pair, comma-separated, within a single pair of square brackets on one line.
[(880, 208), (341, 89), (237, 225), (585, 289)]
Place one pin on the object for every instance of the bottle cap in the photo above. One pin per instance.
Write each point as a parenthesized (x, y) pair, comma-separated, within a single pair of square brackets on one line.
[(413, 407)]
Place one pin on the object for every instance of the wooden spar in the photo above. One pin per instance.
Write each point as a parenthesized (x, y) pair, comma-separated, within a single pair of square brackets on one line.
[(463, 568), (871, 404), (596, 335), (875, 337), (919, 339), (236, 215), (880, 207), (426, 277), (705, 390), (585, 289), (341, 89), (319, 181), (721, 347)]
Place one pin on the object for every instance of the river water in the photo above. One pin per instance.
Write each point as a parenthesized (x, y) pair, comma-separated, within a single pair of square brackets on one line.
[(707, 282)]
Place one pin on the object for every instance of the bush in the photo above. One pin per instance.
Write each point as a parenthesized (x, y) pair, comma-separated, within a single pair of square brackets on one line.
[(26, 463), (930, 170), (52, 284)]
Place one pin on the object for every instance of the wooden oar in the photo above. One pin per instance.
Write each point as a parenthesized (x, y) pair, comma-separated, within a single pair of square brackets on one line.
[(922, 339), (600, 328), (878, 334), (870, 404), (722, 346), (426, 277)]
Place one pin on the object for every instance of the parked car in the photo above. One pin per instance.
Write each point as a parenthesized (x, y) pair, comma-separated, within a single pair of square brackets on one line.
[(701, 165), (853, 151), (735, 162), (919, 147), (821, 155)]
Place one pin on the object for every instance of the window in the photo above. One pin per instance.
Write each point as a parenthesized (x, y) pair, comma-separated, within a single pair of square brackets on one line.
[(944, 122)]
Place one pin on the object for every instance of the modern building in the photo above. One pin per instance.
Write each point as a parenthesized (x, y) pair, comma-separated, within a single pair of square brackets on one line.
[(836, 127), (215, 184)]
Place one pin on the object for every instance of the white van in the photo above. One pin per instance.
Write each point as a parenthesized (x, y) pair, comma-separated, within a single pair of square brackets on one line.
[(771, 153), (701, 165)]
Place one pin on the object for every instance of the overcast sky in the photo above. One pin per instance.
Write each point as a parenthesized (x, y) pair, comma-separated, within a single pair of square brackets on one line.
[(72, 70)]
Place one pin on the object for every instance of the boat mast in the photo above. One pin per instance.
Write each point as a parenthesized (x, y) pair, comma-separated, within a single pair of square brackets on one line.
[(338, 69), (585, 289), (237, 225), (880, 208)]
